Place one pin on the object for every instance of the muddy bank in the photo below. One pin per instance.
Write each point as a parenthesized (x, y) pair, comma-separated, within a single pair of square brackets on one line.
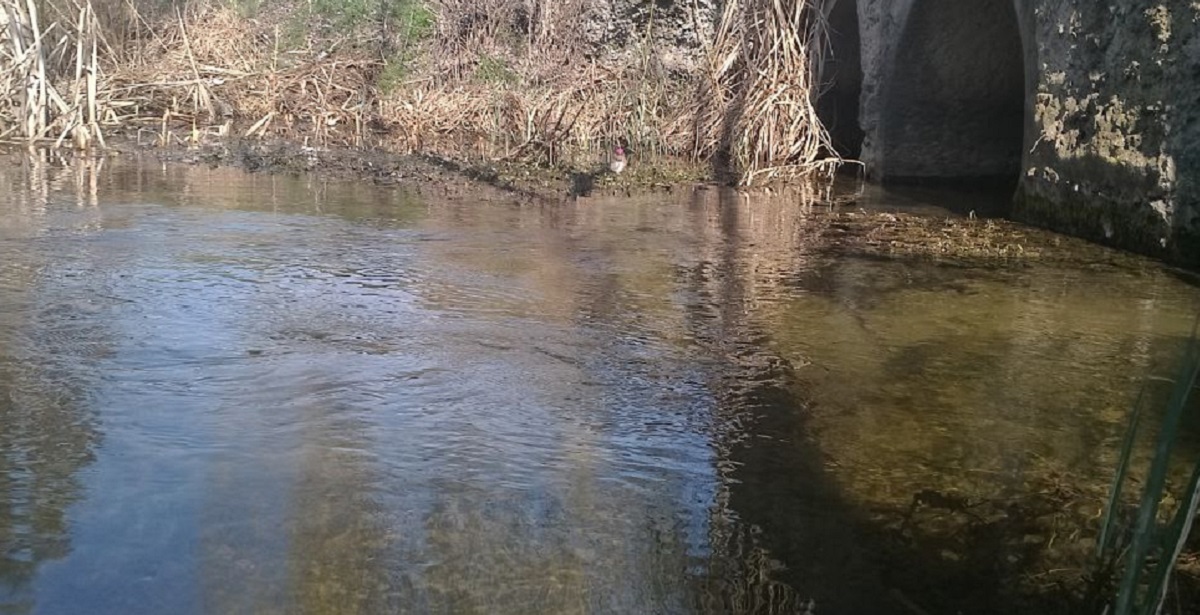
[(517, 180), (841, 215)]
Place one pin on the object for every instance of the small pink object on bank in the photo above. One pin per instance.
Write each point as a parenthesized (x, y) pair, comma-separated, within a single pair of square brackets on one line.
[(618, 160)]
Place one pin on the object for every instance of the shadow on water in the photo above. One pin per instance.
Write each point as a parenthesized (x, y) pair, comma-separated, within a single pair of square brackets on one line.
[(981, 197), (47, 437), (805, 537), (808, 541), (938, 539)]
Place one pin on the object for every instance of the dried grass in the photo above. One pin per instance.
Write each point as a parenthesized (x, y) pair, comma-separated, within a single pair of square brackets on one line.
[(38, 106), (498, 79), (758, 98), (551, 123), (213, 68)]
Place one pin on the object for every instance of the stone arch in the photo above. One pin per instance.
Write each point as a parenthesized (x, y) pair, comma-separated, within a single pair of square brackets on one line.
[(955, 98), (842, 78)]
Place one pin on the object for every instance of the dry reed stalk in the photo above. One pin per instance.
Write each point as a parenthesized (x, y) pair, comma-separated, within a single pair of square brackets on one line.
[(234, 71), (36, 100), (41, 57), (201, 99), (206, 67), (759, 95), (24, 64)]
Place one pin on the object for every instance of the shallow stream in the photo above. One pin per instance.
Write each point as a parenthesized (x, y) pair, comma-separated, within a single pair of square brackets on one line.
[(245, 393)]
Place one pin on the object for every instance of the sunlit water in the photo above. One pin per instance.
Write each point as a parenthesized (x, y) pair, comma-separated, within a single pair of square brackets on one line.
[(230, 393)]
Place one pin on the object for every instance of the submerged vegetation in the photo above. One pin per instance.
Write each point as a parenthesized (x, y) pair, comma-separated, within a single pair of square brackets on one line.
[(500, 80)]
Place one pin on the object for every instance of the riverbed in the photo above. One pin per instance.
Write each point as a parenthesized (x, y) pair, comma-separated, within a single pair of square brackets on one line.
[(229, 392)]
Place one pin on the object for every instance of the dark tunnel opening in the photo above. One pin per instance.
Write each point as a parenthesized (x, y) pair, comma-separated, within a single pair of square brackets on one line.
[(842, 74), (955, 103)]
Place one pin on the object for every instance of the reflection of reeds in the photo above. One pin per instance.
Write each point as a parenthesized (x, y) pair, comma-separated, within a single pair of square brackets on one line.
[(31, 180)]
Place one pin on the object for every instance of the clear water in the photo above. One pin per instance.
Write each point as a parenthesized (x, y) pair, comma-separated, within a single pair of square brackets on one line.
[(231, 393)]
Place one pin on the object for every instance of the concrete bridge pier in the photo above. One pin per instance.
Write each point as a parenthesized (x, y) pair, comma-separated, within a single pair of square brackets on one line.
[(1089, 111)]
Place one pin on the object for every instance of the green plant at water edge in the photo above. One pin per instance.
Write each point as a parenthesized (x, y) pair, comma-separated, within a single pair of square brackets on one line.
[(245, 8), (494, 70), (1153, 548), (413, 22), (411, 18), (401, 24), (345, 13), (395, 70)]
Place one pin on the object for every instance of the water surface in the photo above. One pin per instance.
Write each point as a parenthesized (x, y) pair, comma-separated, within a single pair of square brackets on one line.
[(232, 393)]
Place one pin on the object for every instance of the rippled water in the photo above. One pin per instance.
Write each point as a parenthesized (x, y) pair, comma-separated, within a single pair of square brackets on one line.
[(230, 393)]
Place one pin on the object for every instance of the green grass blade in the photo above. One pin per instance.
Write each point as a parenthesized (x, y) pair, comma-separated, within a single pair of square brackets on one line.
[(1145, 529), (1172, 541), (1107, 533)]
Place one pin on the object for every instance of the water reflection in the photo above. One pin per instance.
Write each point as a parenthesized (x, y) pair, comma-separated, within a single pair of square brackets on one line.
[(803, 550), (51, 337), (47, 436), (327, 397)]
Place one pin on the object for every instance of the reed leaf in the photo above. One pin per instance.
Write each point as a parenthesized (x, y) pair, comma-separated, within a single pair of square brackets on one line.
[(1138, 594), (1173, 539), (1107, 539)]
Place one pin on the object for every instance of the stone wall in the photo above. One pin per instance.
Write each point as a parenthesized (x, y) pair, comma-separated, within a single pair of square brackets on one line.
[(1115, 154), (1109, 101), (1089, 108), (676, 29), (950, 101)]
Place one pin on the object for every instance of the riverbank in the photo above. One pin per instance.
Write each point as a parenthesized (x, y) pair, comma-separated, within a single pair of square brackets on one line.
[(541, 84), (847, 218), (519, 180)]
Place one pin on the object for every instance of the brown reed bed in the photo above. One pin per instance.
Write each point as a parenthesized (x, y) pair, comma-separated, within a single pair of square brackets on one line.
[(499, 80), (49, 76), (759, 92)]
